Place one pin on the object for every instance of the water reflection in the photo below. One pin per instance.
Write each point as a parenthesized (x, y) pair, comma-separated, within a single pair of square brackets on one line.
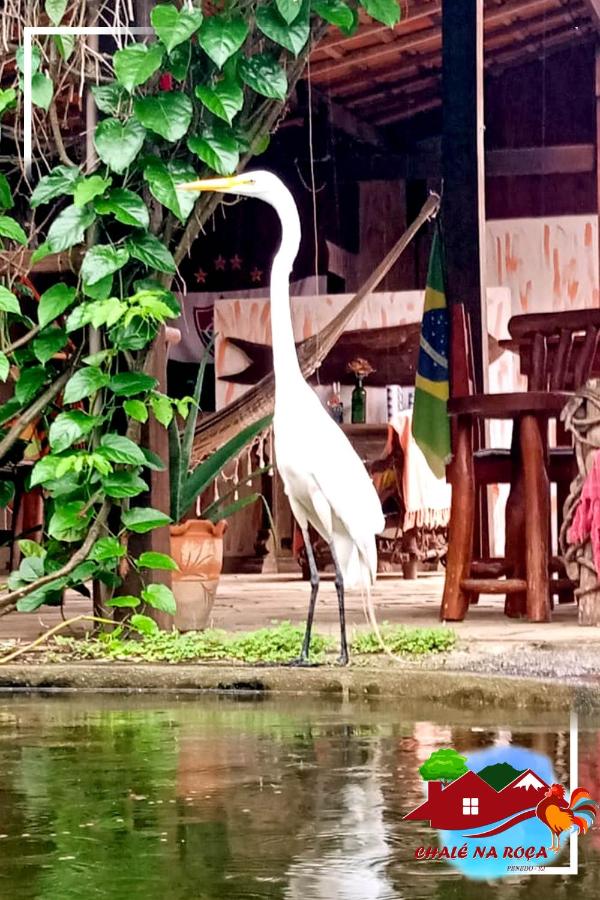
[(214, 797)]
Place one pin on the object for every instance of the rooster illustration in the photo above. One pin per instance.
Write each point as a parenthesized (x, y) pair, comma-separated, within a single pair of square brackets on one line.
[(560, 815)]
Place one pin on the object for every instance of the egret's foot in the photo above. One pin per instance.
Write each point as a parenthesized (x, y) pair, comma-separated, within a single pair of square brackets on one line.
[(343, 659), (301, 662)]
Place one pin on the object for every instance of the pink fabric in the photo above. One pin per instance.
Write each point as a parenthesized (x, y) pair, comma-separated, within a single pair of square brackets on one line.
[(427, 498), (586, 523)]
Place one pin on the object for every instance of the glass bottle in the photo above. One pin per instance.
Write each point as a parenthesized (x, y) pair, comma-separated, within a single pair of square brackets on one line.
[(335, 405), (359, 402)]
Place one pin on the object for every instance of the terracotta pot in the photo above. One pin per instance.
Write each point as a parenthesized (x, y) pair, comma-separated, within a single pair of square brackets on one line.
[(197, 548)]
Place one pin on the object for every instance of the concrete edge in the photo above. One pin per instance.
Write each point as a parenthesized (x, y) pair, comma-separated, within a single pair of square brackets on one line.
[(454, 688)]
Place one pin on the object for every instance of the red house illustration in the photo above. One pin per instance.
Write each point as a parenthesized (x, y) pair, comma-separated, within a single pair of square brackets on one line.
[(470, 802)]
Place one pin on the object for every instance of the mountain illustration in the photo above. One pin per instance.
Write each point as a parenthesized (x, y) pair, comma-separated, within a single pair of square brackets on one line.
[(500, 775)]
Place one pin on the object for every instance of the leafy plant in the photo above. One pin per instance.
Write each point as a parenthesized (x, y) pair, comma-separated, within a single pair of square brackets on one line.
[(406, 640)]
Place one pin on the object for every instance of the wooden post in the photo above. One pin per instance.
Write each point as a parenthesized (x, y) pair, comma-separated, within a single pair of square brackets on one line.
[(463, 198)]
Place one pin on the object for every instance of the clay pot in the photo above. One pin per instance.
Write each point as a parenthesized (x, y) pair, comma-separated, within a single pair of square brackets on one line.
[(197, 548)]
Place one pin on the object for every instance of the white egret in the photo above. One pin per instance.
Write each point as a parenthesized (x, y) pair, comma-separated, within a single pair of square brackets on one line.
[(325, 480)]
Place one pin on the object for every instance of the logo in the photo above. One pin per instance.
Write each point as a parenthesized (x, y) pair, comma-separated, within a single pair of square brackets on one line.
[(499, 811)]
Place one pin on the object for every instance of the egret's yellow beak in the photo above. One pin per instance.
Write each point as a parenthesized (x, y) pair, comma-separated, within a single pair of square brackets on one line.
[(229, 183)]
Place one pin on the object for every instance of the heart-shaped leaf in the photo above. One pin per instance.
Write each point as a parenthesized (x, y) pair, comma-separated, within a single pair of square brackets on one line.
[(160, 597), (163, 179), (224, 99), (110, 98), (118, 144), (264, 75), (8, 301), (69, 228), (220, 38), (386, 11), (4, 368), (151, 559), (218, 148), (54, 302), (168, 114), (101, 290), (36, 58), (57, 183), (55, 10), (12, 230), (42, 90), (30, 382), (48, 343), (8, 99), (125, 206), (173, 26), (144, 625), (88, 188), (120, 449), (123, 484), (102, 260), (70, 427), (143, 519), (70, 521), (65, 44), (152, 252), (6, 199), (289, 9), (137, 410), (336, 12), (128, 384), (179, 60), (84, 383), (135, 64), (293, 37), (108, 548)]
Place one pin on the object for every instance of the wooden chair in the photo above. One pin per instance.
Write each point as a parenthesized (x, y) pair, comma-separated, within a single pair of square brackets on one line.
[(524, 573)]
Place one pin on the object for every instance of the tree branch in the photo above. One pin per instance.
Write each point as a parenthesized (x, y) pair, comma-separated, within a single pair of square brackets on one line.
[(22, 340), (33, 412)]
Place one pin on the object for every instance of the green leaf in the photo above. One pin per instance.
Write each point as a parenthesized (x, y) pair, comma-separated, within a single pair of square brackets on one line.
[(385, 11), (48, 343), (36, 59), (152, 252), (9, 410), (336, 12), (55, 10), (217, 147), (7, 493), (65, 44), (118, 144), (31, 548), (153, 461), (6, 200), (12, 230), (8, 301), (102, 260), (162, 409), (8, 99), (82, 573), (54, 302), (57, 183), (69, 521), (136, 335), (179, 60), (220, 38), (69, 428), (44, 470), (163, 179), (110, 98), (42, 90), (144, 624), (168, 114), (153, 560), (84, 383), (135, 64), (69, 228), (31, 569), (142, 519), (160, 597), (291, 36), (100, 290), (174, 26), (4, 366), (128, 384), (137, 410), (123, 484), (30, 382), (289, 9), (224, 99), (120, 449), (88, 188), (260, 144), (126, 207), (264, 75), (107, 548), (127, 601)]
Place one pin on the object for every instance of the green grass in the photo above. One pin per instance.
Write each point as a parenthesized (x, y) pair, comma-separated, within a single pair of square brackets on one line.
[(279, 643)]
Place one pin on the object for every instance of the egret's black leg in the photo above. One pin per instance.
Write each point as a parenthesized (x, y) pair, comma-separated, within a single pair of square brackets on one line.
[(339, 586), (314, 588)]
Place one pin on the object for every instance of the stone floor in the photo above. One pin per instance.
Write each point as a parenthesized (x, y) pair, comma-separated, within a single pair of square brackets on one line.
[(246, 602)]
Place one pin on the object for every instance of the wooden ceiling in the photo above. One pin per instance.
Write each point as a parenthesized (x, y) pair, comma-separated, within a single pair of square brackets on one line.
[(385, 75)]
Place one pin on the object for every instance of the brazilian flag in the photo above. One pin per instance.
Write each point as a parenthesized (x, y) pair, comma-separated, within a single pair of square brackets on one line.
[(430, 424)]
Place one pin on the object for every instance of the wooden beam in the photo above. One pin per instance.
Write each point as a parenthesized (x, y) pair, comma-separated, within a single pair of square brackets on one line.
[(463, 209), (415, 13), (345, 120), (559, 160), (18, 262), (594, 9)]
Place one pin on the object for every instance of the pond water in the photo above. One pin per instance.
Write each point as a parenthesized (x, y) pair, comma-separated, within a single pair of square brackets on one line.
[(217, 796)]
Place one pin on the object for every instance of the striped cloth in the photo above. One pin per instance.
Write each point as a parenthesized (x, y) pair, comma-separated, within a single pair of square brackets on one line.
[(431, 425)]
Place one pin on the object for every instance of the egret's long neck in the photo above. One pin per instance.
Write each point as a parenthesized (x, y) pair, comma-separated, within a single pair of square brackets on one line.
[(285, 359)]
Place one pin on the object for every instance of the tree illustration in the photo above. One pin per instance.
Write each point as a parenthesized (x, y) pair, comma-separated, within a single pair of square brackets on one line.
[(443, 765)]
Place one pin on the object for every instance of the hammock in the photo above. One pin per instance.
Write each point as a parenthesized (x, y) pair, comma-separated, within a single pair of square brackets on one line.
[(216, 428)]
